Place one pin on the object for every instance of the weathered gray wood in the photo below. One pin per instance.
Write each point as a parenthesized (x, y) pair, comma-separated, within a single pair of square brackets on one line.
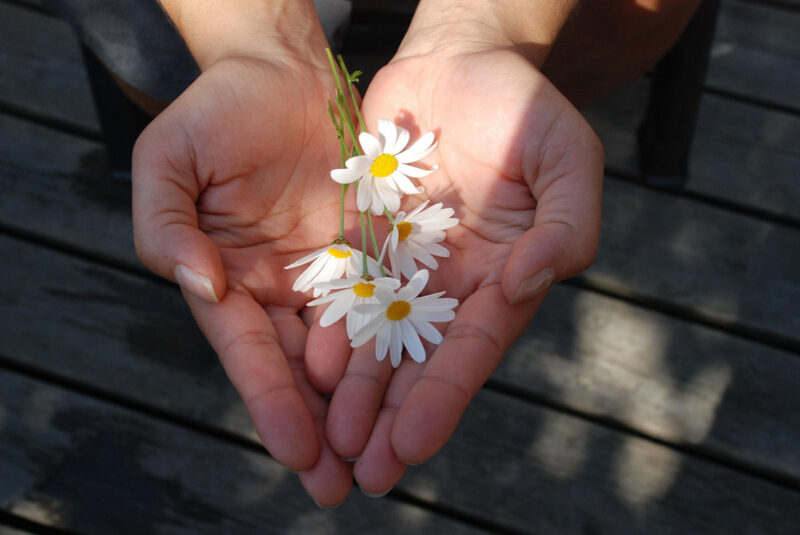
[(510, 462), (71, 462), (55, 185), (742, 153), (41, 69), (663, 377), (756, 53), (7, 530), (730, 268)]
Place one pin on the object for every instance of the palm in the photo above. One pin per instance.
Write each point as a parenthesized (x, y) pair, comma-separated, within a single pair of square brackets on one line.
[(509, 146), (243, 155)]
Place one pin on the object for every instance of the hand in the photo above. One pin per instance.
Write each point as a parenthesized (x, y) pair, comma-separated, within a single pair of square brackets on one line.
[(523, 171), (230, 182)]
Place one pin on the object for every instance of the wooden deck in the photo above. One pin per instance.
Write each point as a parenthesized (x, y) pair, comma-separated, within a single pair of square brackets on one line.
[(659, 393)]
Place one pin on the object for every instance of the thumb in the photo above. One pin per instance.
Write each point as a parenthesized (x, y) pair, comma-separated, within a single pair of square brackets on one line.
[(165, 192), (563, 240)]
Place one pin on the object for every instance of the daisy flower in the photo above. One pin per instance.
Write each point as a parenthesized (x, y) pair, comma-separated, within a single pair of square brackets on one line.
[(329, 263), (415, 237), (383, 170), (348, 293), (402, 317)]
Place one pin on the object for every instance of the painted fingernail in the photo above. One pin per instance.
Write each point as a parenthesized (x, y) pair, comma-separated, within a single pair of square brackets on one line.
[(371, 495), (195, 283), (533, 286)]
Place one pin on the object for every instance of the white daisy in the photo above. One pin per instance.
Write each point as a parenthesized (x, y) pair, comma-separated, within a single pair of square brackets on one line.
[(383, 170), (415, 237), (329, 263), (402, 318), (348, 293)]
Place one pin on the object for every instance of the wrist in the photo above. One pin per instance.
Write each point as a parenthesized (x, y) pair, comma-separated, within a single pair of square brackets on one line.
[(463, 26), (266, 29)]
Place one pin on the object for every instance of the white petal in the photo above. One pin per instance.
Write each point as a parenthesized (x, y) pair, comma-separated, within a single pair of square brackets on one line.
[(356, 322), (411, 341), (421, 254), (426, 330), (369, 308), (338, 284), (404, 184), (369, 144), (438, 250), (346, 176), (433, 316), (388, 133), (395, 236), (403, 136), (421, 148), (415, 285), (419, 208), (322, 300), (361, 163), (337, 309), (387, 282), (434, 305), (396, 344), (382, 342), (310, 275), (364, 195), (415, 172), (365, 334), (307, 258), (407, 265)]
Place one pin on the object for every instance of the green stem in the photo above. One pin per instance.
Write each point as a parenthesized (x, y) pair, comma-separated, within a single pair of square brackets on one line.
[(375, 242), (364, 244), (352, 93), (341, 211), (344, 111), (388, 216)]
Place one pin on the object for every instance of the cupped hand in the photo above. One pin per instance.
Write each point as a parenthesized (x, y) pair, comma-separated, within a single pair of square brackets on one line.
[(523, 171), (230, 184)]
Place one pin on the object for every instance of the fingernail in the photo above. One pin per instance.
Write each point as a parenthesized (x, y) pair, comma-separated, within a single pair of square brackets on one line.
[(326, 506), (533, 286), (349, 459), (195, 283), (371, 495)]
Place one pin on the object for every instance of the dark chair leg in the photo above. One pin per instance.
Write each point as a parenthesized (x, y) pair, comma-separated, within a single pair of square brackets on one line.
[(121, 120), (665, 135)]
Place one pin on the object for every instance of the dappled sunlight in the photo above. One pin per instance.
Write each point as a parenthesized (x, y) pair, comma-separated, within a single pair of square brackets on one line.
[(561, 449), (313, 521), (644, 472), (270, 476), (425, 486)]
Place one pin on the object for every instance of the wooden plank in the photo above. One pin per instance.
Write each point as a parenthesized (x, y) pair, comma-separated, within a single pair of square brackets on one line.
[(530, 469), (41, 69), (678, 382), (54, 185), (75, 463), (742, 153), (726, 266), (730, 268), (756, 53)]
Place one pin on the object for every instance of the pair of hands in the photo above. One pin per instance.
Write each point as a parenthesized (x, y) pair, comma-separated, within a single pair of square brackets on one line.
[(231, 184)]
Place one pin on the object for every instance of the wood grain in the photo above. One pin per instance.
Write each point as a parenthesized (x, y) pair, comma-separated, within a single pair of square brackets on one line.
[(72, 462)]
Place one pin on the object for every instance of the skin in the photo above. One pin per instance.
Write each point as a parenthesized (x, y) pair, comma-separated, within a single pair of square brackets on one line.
[(231, 182)]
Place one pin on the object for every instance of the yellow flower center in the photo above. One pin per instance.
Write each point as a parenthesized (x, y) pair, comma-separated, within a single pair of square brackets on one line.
[(398, 310), (383, 166), (404, 229), (336, 253), (364, 289)]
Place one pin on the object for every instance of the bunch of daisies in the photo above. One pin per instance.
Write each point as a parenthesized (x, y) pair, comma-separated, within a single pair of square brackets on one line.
[(354, 284)]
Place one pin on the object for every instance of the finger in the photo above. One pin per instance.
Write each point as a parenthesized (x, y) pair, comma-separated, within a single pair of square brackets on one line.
[(165, 192), (327, 352), (563, 240), (356, 401), (484, 327), (378, 469), (330, 480), (248, 346)]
